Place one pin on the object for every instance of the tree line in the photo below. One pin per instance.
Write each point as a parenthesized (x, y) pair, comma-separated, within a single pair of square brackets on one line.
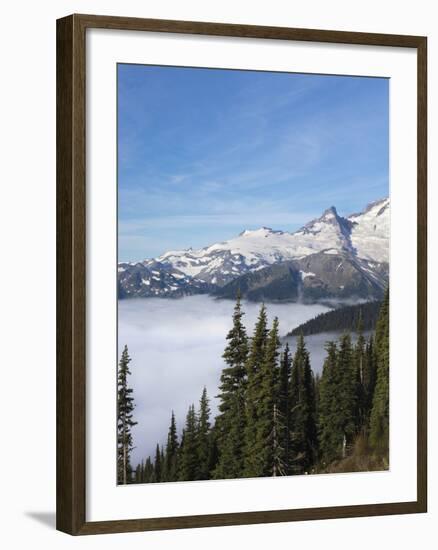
[(341, 318), (275, 417)]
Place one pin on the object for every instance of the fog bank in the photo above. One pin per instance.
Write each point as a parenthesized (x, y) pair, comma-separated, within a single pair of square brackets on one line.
[(176, 348)]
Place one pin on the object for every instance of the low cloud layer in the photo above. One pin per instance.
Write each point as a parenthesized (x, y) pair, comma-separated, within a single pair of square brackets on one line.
[(176, 348)]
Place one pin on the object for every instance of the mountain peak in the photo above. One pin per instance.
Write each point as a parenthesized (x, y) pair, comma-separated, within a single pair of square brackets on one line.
[(330, 213), (328, 217)]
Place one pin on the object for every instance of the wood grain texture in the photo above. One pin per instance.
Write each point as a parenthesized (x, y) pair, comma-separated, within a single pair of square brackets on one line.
[(247, 518), (71, 270), (71, 230), (248, 31)]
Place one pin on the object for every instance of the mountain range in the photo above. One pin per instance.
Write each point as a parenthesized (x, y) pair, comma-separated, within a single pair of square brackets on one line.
[(331, 257)]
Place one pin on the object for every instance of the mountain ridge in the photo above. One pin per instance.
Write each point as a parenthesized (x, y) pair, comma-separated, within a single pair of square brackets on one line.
[(364, 237)]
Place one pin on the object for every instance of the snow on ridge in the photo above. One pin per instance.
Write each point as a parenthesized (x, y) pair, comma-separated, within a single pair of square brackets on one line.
[(364, 234), (370, 208), (259, 231), (370, 231)]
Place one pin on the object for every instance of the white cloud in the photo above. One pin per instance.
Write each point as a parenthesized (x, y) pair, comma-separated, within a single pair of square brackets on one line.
[(176, 348)]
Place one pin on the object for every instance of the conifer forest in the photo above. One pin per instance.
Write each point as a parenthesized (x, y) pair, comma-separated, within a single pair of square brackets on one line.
[(275, 417)]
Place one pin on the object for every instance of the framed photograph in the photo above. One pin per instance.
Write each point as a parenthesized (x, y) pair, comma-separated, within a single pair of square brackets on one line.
[(241, 274)]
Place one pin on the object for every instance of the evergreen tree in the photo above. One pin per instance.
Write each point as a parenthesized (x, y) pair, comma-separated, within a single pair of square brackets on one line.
[(214, 452), (260, 461), (163, 464), (138, 473), (180, 454), (279, 465), (284, 407), (157, 465), (302, 417), (317, 382), (148, 471), (338, 423), (347, 394), (379, 421), (230, 423), (203, 437), (142, 472), (269, 453), (359, 373), (188, 461), (125, 422), (171, 455), (369, 379), (254, 364), (328, 426)]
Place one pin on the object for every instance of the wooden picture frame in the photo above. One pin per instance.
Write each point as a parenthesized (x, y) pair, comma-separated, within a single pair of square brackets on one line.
[(71, 273)]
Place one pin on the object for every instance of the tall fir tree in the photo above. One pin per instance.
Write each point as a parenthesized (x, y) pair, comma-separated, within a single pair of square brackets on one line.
[(347, 394), (125, 421), (369, 379), (158, 465), (163, 464), (203, 437), (138, 473), (317, 382), (171, 454), (302, 421), (284, 408), (214, 453), (188, 460), (142, 472), (327, 420), (359, 358), (338, 406), (254, 364), (148, 471), (269, 451), (230, 423), (279, 465), (379, 420)]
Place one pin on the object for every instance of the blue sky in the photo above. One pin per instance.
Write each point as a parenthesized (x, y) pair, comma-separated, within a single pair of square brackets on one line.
[(204, 153)]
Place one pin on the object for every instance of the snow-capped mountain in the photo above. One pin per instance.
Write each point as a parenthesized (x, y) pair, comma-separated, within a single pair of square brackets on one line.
[(153, 278), (364, 237), (370, 232)]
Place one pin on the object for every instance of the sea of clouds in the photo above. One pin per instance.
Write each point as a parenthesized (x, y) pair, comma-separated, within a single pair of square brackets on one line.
[(176, 347)]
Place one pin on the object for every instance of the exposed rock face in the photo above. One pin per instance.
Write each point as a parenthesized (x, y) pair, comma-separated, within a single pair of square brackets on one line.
[(331, 256), (320, 276)]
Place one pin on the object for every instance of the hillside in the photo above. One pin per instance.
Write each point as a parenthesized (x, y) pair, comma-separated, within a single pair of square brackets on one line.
[(322, 276), (343, 318)]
